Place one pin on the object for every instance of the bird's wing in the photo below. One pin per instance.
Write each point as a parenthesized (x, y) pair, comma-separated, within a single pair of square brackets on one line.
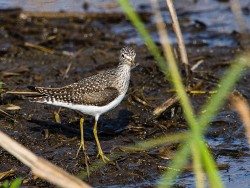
[(75, 96), (98, 98)]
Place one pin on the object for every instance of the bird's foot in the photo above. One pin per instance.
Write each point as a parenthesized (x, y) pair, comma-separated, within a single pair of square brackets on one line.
[(86, 157), (103, 157), (84, 151)]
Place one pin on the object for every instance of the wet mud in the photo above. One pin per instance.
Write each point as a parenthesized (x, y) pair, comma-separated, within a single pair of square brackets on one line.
[(78, 47)]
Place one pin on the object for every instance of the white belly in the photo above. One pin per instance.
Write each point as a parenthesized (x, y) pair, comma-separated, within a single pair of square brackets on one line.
[(88, 109)]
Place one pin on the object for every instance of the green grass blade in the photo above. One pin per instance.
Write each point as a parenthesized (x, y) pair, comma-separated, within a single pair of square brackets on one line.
[(156, 142), (16, 183), (5, 184), (211, 167), (133, 16)]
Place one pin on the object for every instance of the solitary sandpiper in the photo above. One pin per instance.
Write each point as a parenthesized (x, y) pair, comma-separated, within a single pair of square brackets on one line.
[(93, 95)]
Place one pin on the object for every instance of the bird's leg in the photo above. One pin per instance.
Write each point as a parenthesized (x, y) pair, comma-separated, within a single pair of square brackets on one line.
[(57, 117), (82, 138), (82, 146), (100, 152)]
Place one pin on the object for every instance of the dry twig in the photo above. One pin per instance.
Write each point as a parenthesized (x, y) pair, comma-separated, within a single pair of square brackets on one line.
[(165, 105), (8, 173), (38, 47), (177, 30)]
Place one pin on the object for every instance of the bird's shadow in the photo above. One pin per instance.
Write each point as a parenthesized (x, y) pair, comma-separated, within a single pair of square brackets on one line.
[(107, 128)]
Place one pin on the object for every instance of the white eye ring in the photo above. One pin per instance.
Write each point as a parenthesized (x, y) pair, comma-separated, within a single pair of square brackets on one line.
[(123, 56)]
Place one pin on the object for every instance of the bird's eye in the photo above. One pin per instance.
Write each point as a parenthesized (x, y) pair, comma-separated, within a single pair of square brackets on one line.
[(123, 56)]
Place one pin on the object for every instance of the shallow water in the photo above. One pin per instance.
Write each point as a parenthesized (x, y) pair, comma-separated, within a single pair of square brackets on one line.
[(216, 15)]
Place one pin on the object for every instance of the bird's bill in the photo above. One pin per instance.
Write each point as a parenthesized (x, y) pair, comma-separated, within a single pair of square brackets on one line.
[(133, 64)]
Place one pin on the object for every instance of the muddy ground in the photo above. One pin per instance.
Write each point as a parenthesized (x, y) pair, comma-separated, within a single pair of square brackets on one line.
[(95, 47)]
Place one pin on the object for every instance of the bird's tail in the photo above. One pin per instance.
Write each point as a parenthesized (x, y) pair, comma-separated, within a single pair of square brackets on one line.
[(43, 95), (37, 94)]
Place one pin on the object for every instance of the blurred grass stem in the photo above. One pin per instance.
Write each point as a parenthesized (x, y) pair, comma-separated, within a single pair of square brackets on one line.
[(243, 109), (198, 171), (40, 166)]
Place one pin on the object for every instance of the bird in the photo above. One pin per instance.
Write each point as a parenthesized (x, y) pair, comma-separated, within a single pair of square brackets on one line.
[(94, 95)]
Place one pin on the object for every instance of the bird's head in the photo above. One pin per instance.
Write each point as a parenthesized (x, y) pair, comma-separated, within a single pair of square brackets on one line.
[(127, 56)]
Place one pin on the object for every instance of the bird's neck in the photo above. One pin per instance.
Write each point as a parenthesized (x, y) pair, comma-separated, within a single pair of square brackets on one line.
[(123, 75), (124, 70)]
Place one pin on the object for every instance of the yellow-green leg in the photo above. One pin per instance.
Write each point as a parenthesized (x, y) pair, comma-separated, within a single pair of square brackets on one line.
[(82, 138), (82, 146), (100, 152), (57, 117)]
